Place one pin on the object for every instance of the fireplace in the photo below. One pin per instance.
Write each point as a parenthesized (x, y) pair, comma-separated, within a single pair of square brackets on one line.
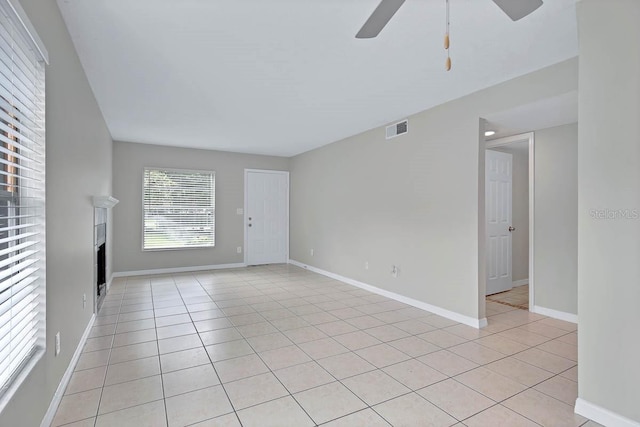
[(100, 264), (102, 268), (102, 205)]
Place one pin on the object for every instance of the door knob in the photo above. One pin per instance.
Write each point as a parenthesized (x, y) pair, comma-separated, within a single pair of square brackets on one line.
[(511, 228)]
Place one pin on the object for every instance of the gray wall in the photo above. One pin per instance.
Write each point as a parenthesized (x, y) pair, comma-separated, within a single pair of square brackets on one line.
[(520, 211), (412, 201), (78, 167), (556, 218), (609, 178), (129, 161)]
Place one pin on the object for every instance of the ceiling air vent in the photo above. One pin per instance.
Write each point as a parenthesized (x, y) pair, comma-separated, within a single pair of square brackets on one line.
[(397, 129)]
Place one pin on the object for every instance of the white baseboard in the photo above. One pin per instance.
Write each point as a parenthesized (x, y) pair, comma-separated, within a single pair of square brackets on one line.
[(452, 315), (556, 314), (177, 270), (57, 397), (521, 282), (602, 416)]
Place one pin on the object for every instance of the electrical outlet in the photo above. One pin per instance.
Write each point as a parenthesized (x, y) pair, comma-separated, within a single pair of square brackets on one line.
[(84, 300), (366, 265), (311, 252), (395, 270), (57, 343), (239, 249)]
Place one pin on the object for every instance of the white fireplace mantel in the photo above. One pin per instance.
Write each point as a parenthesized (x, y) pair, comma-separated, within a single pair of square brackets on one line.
[(104, 201)]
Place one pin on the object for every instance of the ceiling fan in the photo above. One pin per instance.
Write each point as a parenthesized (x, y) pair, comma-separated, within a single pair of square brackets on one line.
[(515, 9)]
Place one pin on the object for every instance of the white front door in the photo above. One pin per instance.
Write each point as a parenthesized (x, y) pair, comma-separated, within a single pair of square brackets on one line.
[(499, 180), (267, 217)]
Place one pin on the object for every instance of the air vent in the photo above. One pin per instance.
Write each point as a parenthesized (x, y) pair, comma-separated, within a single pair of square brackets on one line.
[(397, 129)]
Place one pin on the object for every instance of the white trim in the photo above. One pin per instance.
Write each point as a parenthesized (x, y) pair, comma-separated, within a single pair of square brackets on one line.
[(57, 397), (30, 32), (601, 415), (522, 282), (530, 136), (106, 202), (142, 202), (532, 213), (556, 314), (177, 270), (499, 142), (245, 217), (22, 374), (452, 315)]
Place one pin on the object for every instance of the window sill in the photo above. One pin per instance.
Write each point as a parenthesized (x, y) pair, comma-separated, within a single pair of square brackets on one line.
[(178, 249), (19, 378)]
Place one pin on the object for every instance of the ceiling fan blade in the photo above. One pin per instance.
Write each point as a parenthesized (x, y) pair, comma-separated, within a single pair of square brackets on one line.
[(518, 9), (379, 18)]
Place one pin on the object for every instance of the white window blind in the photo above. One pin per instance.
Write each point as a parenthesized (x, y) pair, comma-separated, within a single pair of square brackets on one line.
[(22, 197), (179, 209)]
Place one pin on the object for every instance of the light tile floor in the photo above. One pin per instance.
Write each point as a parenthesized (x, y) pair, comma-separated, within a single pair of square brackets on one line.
[(281, 346)]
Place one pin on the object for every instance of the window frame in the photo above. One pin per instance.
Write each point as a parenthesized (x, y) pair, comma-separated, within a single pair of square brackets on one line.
[(31, 45), (178, 170)]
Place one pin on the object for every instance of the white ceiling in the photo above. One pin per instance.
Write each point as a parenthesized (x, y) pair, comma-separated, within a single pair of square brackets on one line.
[(285, 76), (520, 147), (557, 111)]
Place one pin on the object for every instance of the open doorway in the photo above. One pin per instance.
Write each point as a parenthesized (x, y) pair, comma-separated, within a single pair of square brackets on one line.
[(509, 210), (552, 187)]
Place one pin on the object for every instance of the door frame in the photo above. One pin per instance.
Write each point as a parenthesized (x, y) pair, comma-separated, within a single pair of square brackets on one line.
[(245, 215), (530, 138)]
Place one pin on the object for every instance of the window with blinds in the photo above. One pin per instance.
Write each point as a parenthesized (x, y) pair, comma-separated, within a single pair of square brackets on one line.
[(22, 197), (179, 209)]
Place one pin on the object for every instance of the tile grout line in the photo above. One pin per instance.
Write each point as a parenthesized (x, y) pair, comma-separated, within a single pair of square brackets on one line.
[(337, 380), (285, 367), (334, 289), (209, 357), (164, 399), (270, 371), (376, 367), (95, 421)]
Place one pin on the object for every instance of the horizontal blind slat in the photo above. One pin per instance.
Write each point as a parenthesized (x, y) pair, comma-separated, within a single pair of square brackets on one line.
[(21, 246), (179, 208), (21, 310), (22, 197), (17, 257), (20, 345), (15, 280), (15, 296), (17, 268)]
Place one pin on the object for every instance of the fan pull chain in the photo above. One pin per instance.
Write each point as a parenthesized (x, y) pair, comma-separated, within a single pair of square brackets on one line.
[(447, 64)]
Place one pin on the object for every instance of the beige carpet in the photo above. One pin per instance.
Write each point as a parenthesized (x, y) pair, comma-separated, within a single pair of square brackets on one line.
[(517, 297)]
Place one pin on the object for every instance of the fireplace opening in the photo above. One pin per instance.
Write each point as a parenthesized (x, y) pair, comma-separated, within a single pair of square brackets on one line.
[(101, 204), (101, 263), (102, 268)]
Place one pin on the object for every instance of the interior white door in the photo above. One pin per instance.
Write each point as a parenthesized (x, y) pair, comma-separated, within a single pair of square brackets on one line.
[(498, 195), (267, 217)]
